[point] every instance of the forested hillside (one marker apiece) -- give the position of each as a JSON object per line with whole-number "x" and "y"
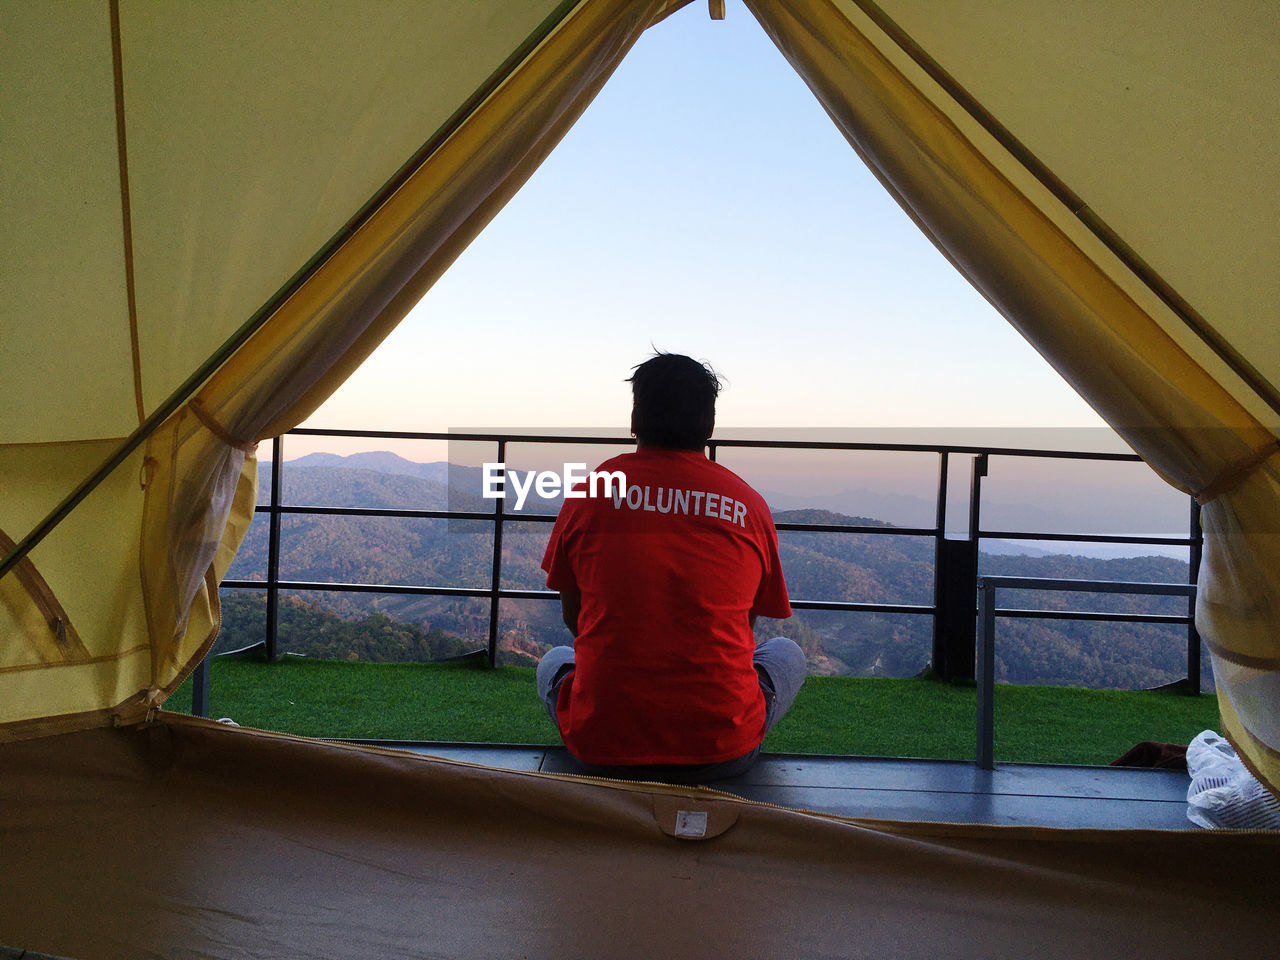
{"x": 877, "y": 568}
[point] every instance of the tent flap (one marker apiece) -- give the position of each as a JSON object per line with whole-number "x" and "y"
{"x": 232, "y": 193}
{"x": 1080, "y": 305}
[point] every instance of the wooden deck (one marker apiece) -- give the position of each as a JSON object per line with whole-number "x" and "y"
{"x": 1014, "y": 794}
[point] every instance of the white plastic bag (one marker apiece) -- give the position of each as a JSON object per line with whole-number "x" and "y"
{"x": 1223, "y": 793}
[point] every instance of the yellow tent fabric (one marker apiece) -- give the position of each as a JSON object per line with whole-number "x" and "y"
{"x": 986, "y": 184}
{"x": 135, "y": 566}
{"x": 178, "y": 174}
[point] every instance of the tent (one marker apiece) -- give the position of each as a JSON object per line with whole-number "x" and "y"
{"x": 214, "y": 213}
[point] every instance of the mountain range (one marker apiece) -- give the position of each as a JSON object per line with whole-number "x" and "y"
{"x": 874, "y": 568}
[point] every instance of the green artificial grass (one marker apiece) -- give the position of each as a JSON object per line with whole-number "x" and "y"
{"x": 934, "y": 719}
{"x": 832, "y": 715}
{"x": 377, "y": 701}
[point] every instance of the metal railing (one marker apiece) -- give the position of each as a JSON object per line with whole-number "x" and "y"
{"x": 988, "y": 612}
{"x": 955, "y": 561}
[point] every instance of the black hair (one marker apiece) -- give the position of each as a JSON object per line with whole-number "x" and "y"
{"x": 674, "y": 401}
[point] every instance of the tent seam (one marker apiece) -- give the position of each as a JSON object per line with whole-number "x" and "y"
{"x": 126, "y": 215}
{"x": 78, "y": 662}
{"x": 59, "y": 443}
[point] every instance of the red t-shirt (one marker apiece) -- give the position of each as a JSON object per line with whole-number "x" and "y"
{"x": 669, "y": 574}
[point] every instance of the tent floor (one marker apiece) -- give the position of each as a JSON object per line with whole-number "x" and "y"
{"x": 191, "y": 839}
{"x": 887, "y": 788}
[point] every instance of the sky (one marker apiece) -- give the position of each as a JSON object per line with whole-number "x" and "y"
{"x": 704, "y": 204}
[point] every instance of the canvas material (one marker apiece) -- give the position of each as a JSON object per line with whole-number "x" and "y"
{"x": 191, "y": 838}
{"x": 1087, "y": 313}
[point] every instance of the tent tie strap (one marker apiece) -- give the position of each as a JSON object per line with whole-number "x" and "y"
{"x": 1236, "y": 474}
{"x": 147, "y": 472}
{"x": 212, "y": 425}
{"x": 37, "y": 589}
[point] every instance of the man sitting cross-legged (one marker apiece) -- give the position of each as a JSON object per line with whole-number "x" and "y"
{"x": 661, "y": 584}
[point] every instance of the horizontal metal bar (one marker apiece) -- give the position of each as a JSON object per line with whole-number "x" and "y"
{"x": 378, "y": 512}
{"x": 516, "y": 594}
{"x": 398, "y": 588}
{"x": 929, "y": 448}
{"x": 1085, "y": 537}
{"x": 469, "y": 437}
{"x": 1088, "y": 586}
{"x": 509, "y": 593}
{"x": 412, "y": 514}
{"x": 855, "y": 528}
{"x": 551, "y": 518}
{"x": 1019, "y": 583}
{"x": 394, "y": 588}
{"x": 766, "y": 444}
{"x": 862, "y": 607}
{"x": 1182, "y": 619}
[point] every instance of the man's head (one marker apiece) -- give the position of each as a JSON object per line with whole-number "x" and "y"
{"x": 673, "y": 402}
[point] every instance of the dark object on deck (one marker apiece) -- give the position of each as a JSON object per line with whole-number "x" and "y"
{"x": 1149, "y": 753}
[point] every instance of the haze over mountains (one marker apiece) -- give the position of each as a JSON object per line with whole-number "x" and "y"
{"x": 383, "y": 461}
{"x": 1082, "y": 511}
{"x": 888, "y": 568}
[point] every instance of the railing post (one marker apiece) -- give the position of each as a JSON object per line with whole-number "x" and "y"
{"x": 200, "y": 688}
{"x": 955, "y": 582}
{"x": 975, "y": 503}
{"x": 954, "y": 585}
{"x": 1193, "y": 577}
{"x": 975, "y": 510}
{"x": 495, "y": 583}
{"x": 985, "y": 727}
{"x": 940, "y": 657}
{"x": 273, "y": 551}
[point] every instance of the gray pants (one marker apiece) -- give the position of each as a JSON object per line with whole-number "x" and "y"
{"x": 780, "y": 665}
